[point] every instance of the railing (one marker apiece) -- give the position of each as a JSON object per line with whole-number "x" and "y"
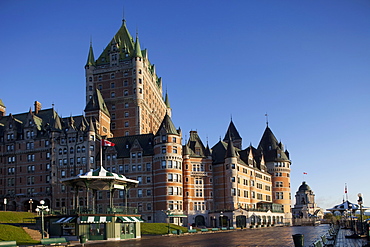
{"x": 85, "y": 210}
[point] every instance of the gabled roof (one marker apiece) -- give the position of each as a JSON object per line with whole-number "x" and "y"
{"x": 97, "y": 103}
{"x": 124, "y": 144}
{"x": 218, "y": 152}
{"x": 195, "y": 146}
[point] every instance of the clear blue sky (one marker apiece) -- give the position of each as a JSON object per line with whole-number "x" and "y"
{"x": 306, "y": 63}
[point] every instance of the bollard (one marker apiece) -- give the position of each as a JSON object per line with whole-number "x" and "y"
{"x": 298, "y": 240}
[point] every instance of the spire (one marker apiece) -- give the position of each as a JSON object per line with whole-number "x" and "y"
{"x": 167, "y": 101}
{"x": 90, "y": 57}
{"x": 137, "y": 47}
{"x": 233, "y": 135}
{"x": 230, "y": 152}
{"x": 91, "y": 125}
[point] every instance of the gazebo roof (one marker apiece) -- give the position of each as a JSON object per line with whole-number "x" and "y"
{"x": 346, "y": 205}
{"x": 100, "y": 179}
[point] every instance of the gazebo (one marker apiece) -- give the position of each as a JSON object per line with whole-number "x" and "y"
{"x": 100, "y": 179}
{"x": 113, "y": 223}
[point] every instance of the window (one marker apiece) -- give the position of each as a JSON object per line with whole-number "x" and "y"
{"x": 279, "y": 184}
{"x": 126, "y": 105}
{"x": 148, "y": 192}
{"x": 170, "y": 177}
{"x": 279, "y": 195}
{"x": 126, "y": 114}
{"x": 148, "y": 167}
{"x": 174, "y": 150}
{"x": 125, "y": 93}
{"x": 170, "y": 190}
{"x": 113, "y": 94}
{"x": 148, "y": 180}
{"x": 126, "y": 124}
{"x": 163, "y": 164}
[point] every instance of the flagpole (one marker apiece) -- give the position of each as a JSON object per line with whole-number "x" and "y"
{"x": 101, "y": 152}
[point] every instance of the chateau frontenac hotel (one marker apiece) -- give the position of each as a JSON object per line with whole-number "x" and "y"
{"x": 181, "y": 181}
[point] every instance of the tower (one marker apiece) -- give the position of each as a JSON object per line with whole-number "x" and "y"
{"x": 167, "y": 172}
{"x": 278, "y": 165}
{"x": 129, "y": 85}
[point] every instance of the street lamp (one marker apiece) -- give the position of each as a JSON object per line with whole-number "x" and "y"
{"x": 5, "y": 202}
{"x": 360, "y": 203}
{"x": 30, "y": 202}
{"x": 41, "y": 209}
{"x": 168, "y": 212}
{"x": 221, "y": 219}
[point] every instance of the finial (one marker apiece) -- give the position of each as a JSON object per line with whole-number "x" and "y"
{"x": 123, "y": 14}
{"x": 267, "y": 119}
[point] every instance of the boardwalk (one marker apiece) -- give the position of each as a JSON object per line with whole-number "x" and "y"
{"x": 342, "y": 241}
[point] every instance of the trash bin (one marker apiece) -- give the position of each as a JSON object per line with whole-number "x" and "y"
{"x": 298, "y": 240}
{"x": 82, "y": 239}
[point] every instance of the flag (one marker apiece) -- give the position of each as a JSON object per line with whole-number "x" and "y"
{"x": 106, "y": 143}
{"x": 305, "y": 173}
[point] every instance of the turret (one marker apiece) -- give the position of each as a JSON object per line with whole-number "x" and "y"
{"x": 89, "y": 69}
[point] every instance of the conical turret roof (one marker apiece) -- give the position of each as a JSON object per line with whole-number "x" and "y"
{"x": 168, "y": 126}
{"x": 97, "y": 103}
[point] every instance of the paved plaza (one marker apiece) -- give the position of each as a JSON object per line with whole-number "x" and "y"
{"x": 263, "y": 237}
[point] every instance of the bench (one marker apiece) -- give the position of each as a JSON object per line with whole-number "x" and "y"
{"x": 318, "y": 243}
{"x": 8, "y": 243}
{"x": 215, "y": 229}
{"x": 192, "y": 231}
{"x": 204, "y": 230}
{"x": 327, "y": 242}
{"x": 54, "y": 241}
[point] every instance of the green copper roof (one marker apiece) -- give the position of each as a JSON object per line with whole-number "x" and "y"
{"x": 90, "y": 58}
{"x": 123, "y": 42}
{"x": 137, "y": 48}
{"x": 97, "y": 103}
{"x": 168, "y": 125}
{"x": 167, "y": 101}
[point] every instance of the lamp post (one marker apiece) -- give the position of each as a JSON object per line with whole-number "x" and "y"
{"x": 360, "y": 203}
{"x": 30, "y": 202}
{"x": 5, "y": 202}
{"x": 41, "y": 209}
{"x": 168, "y": 212}
{"x": 221, "y": 219}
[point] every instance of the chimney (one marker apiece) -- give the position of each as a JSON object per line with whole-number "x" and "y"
{"x": 37, "y": 107}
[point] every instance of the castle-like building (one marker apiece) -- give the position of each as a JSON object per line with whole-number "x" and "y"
{"x": 183, "y": 181}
